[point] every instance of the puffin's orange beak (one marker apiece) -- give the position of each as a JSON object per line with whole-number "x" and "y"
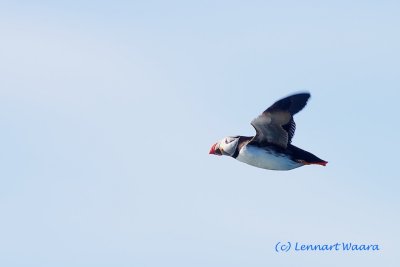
{"x": 216, "y": 150}
{"x": 212, "y": 150}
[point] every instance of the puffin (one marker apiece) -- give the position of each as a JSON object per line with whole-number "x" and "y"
{"x": 271, "y": 147}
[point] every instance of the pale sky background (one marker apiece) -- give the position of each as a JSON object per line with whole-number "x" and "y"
{"x": 108, "y": 110}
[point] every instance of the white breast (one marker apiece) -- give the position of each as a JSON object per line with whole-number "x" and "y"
{"x": 266, "y": 159}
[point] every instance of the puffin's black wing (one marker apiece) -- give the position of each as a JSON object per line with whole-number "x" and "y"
{"x": 276, "y": 125}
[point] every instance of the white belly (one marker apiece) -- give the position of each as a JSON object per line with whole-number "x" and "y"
{"x": 265, "y": 159}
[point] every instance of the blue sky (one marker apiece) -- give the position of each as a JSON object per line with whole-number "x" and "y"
{"x": 108, "y": 111}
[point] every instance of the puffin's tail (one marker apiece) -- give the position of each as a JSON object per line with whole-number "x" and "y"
{"x": 305, "y": 157}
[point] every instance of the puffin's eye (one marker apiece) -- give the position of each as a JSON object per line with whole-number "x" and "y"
{"x": 228, "y": 140}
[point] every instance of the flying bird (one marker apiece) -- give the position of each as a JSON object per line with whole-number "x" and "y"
{"x": 271, "y": 147}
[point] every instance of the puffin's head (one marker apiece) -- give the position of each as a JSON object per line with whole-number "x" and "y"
{"x": 226, "y": 146}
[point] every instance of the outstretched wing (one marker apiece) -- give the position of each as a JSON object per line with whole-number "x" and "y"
{"x": 276, "y": 125}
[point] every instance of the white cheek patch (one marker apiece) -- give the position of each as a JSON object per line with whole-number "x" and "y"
{"x": 229, "y": 148}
